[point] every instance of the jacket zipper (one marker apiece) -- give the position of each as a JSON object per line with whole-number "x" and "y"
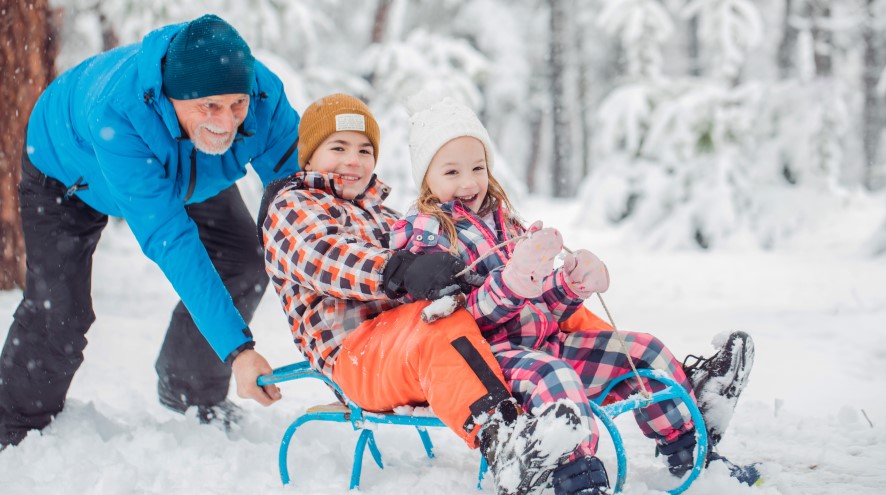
{"x": 286, "y": 156}
{"x": 192, "y": 182}
{"x": 487, "y": 232}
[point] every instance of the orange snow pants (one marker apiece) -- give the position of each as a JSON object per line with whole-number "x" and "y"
{"x": 396, "y": 359}
{"x": 583, "y": 319}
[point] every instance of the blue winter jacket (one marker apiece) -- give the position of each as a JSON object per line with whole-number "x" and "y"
{"x": 105, "y": 130}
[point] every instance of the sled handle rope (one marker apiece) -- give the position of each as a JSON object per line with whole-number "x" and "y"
{"x": 487, "y": 253}
{"x": 621, "y": 340}
{"x": 624, "y": 347}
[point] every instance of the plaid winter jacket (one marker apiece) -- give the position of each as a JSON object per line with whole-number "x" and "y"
{"x": 506, "y": 319}
{"x": 325, "y": 256}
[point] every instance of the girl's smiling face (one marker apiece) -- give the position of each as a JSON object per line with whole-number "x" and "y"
{"x": 348, "y": 154}
{"x": 458, "y": 171}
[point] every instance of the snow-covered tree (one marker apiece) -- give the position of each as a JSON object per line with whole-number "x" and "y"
{"x": 676, "y": 152}
{"x": 728, "y": 30}
{"x": 676, "y": 109}
{"x": 680, "y": 170}
{"x": 642, "y": 27}
{"x": 874, "y": 90}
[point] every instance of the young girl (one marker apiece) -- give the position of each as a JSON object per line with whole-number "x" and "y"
{"x": 325, "y": 234}
{"x": 548, "y": 345}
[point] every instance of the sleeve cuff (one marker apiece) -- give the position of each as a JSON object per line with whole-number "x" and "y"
{"x": 250, "y": 344}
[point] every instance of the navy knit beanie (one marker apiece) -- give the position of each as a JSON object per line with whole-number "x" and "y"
{"x": 208, "y": 57}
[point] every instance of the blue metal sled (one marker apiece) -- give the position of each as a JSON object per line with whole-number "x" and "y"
{"x": 362, "y": 420}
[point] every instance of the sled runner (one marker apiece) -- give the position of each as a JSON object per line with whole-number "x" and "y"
{"x": 363, "y": 422}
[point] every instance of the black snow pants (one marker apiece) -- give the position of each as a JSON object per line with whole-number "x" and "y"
{"x": 44, "y": 347}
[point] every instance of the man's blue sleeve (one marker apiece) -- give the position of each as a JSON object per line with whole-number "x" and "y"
{"x": 165, "y": 232}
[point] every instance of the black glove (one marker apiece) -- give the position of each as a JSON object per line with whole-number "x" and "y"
{"x": 426, "y": 276}
{"x": 394, "y": 273}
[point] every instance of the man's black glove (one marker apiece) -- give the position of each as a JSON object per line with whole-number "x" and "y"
{"x": 426, "y": 276}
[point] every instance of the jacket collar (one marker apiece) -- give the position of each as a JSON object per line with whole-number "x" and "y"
{"x": 331, "y": 183}
{"x": 459, "y": 211}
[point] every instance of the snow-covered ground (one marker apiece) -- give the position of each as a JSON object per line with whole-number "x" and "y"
{"x": 818, "y": 317}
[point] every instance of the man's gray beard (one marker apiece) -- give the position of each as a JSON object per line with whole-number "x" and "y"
{"x": 198, "y": 143}
{"x": 200, "y": 147}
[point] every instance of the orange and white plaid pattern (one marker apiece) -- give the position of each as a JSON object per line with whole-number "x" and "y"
{"x": 324, "y": 258}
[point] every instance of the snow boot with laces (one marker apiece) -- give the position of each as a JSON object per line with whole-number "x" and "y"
{"x": 719, "y": 380}
{"x": 583, "y": 476}
{"x": 523, "y": 450}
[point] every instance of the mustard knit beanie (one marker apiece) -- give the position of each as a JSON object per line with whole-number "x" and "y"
{"x": 331, "y": 114}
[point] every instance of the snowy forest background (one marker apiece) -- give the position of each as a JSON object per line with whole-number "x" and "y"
{"x": 683, "y": 123}
{"x": 724, "y": 157}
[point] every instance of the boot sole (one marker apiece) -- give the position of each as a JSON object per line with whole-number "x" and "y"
{"x": 722, "y": 392}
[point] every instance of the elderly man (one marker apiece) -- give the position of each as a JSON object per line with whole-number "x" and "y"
{"x": 157, "y": 133}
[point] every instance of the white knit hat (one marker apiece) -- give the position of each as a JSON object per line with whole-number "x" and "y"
{"x": 434, "y": 126}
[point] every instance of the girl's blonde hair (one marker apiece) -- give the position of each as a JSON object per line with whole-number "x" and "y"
{"x": 429, "y": 204}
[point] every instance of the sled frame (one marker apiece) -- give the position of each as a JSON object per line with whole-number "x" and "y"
{"x": 364, "y": 421}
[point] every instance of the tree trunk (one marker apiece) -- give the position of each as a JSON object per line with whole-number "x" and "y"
{"x": 379, "y": 27}
{"x": 27, "y": 56}
{"x": 878, "y": 243}
{"x": 584, "y": 103}
{"x": 787, "y": 45}
{"x": 380, "y": 23}
{"x": 822, "y": 37}
{"x": 693, "y": 47}
{"x": 872, "y": 113}
{"x": 561, "y": 185}
{"x": 535, "y": 139}
{"x": 110, "y": 40}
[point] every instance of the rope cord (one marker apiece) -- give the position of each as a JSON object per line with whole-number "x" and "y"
{"x": 487, "y": 253}
{"x": 624, "y": 346}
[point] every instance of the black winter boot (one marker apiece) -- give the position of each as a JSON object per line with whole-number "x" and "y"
{"x": 681, "y": 457}
{"x": 225, "y": 415}
{"x": 584, "y": 476}
{"x": 522, "y": 451}
{"x": 680, "y": 453}
{"x": 719, "y": 380}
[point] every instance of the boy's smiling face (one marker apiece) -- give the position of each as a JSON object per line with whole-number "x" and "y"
{"x": 348, "y": 154}
{"x": 458, "y": 171}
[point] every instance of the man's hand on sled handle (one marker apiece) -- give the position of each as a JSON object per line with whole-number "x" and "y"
{"x": 247, "y": 367}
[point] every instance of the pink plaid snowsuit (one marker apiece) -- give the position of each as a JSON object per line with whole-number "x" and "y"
{"x": 542, "y": 361}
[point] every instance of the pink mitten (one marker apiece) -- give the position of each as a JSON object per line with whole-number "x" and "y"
{"x": 531, "y": 262}
{"x": 585, "y": 274}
